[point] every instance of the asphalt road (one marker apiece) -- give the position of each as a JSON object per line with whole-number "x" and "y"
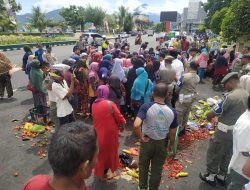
{"x": 18, "y": 156}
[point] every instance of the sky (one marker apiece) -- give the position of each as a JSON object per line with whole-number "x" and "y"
{"x": 154, "y": 6}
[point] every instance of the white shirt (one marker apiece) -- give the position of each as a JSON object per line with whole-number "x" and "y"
{"x": 162, "y": 65}
{"x": 64, "y": 108}
{"x": 245, "y": 82}
{"x": 241, "y": 143}
{"x": 52, "y": 96}
{"x": 178, "y": 67}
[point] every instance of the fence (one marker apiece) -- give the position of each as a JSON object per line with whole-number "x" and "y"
{"x": 12, "y": 47}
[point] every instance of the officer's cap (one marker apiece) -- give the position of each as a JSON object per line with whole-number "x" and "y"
{"x": 232, "y": 75}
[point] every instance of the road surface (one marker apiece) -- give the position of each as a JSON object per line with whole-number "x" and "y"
{"x": 19, "y": 156}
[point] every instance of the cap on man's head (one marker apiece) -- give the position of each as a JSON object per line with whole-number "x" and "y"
{"x": 229, "y": 76}
{"x": 246, "y": 56}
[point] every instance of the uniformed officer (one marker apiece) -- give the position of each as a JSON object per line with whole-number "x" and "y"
{"x": 228, "y": 110}
{"x": 245, "y": 62}
{"x": 104, "y": 45}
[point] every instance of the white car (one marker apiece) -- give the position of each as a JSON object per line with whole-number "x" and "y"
{"x": 123, "y": 35}
{"x": 90, "y": 37}
{"x": 160, "y": 35}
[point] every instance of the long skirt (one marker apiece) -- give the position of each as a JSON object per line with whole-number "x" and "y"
{"x": 39, "y": 99}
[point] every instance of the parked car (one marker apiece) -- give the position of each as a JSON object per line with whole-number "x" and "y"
{"x": 160, "y": 35}
{"x": 90, "y": 37}
{"x": 133, "y": 33}
{"x": 150, "y": 32}
{"x": 123, "y": 35}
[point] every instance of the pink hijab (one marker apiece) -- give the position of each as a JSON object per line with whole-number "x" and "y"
{"x": 102, "y": 93}
{"x": 93, "y": 69}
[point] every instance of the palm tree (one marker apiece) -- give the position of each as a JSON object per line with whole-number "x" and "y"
{"x": 38, "y": 19}
{"x": 121, "y": 16}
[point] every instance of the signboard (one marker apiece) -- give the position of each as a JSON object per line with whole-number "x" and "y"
{"x": 170, "y": 16}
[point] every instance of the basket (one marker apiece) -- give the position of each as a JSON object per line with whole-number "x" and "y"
{"x": 40, "y": 115}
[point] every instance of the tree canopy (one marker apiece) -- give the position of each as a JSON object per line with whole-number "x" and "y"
{"x": 74, "y": 16}
{"x": 237, "y": 20}
{"x": 6, "y": 22}
{"x": 38, "y": 19}
{"x": 128, "y": 22}
{"x": 95, "y": 15}
{"x": 217, "y": 19}
{"x": 212, "y": 6}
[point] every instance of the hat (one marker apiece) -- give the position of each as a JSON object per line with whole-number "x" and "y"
{"x": 246, "y": 56}
{"x": 169, "y": 58}
{"x": 83, "y": 54}
{"x": 232, "y": 75}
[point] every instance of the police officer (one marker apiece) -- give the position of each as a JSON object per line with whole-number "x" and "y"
{"x": 228, "y": 110}
{"x": 245, "y": 62}
{"x": 104, "y": 45}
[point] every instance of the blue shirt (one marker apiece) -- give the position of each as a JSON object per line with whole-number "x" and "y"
{"x": 39, "y": 54}
{"x": 157, "y": 119}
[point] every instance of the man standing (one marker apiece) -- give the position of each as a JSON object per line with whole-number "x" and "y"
{"x": 49, "y": 58}
{"x": 245, "y": 62}
{"x": 229, "y": 109}
{"x": 161, "y": 58}
{"x": 178, "y": 67}
{"x": 153, "y": 123}
{"x": 5, "y": 82}
{"x": 39, "y": 53}
{"x": 184, "y": 44}
{"x": 241, "y": 149}
{"x": 187, "y": 94}
{"x": 104, "y": 45}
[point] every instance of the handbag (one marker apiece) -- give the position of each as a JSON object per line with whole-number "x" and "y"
{"x": 30, "y": 87}
{"x": 113, "y": 114}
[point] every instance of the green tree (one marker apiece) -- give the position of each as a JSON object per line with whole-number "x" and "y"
{"x": 216, "y": 21}
{"x": 111, "y": 21}
{"x": 74, "y": 16}
{"x": 237, "y": 20}
{"x": 121, "y": 17}
{"x": 38, "y": 19}
{"x": 95, "y": 15}
{"x": 128, "y": 22}
{"x": 7, "y": 22}
{"x": 159, "y": 27}
{"x": 212, "y": 6}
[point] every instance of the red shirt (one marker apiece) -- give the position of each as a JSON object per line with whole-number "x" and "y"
{"x": 39, "y": 182}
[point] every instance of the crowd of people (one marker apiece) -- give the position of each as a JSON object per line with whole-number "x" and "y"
{"x": 155, "y": 87}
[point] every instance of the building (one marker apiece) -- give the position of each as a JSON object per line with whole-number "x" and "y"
{"x": 176, "y": 25}
{"x": 193, "y": 16}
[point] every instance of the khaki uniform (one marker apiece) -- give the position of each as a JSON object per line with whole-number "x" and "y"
{"x": 187, "y": 93}
{"x": 220, "y": 149}
{"x": 245, "y": 69}
{"x": 167, "y": 77}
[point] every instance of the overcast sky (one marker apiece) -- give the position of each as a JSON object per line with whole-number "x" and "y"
{"x": 154, "y": 6}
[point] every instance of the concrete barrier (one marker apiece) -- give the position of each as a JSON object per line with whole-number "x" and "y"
{"x": 12, "y": 47}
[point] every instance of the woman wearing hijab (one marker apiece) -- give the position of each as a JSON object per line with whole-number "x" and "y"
{"x": 36, "y": 79}
{"x": 93, "y": 80}
{"x": 202, "y": 61}
{"x": 97, "y": 57}
{"x": 26, "y": 55}
{"x": 107, "y": 57}
{"x": 107, "y": 133}
{"x": 214, "y": 48}
{"x": 220, "y": 68}
{"x": 116, "y": 90}
{"x": 104, "y": 71}
{"x": 118, "y": 70}
{"x": 141, "y": 91}
{"x": 81, "y": 73}
{"x": 137, "y": 63}
{"x": 152, "y": 70}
